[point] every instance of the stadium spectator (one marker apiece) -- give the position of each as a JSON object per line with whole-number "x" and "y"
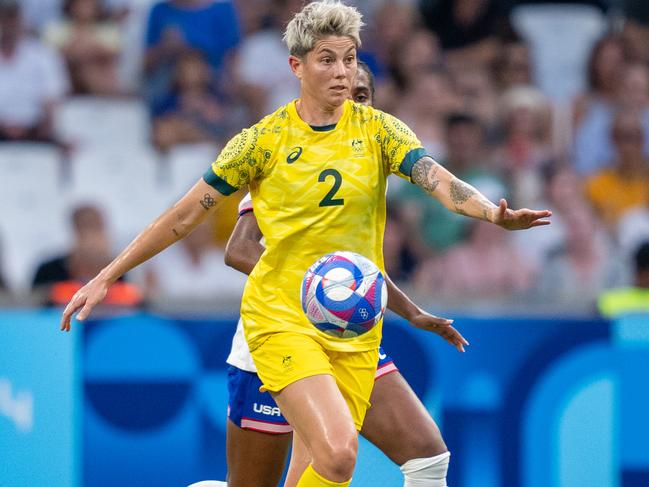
{"x": 194, "y": 111}
{"x": 581, "y": 267}
{"x": 527, "y": 144}
{"x": 89, "y": 230}
{"x": 398, "y": 257}
{"x": 562, "y": 190}
{"x": 393, "y": 25}
{"x": 605, "y": 64}
{"x": 633, "y": 299}
{"x": 427, "y": 220}
{"x": 600, "y": 4}
{"x": 90, "y": 44}
{"x": 513, "y": 66}
{"x": 261, "y": 66}
{"x": 254, "y": 15}
{"x": 476, "y": 91}
{"x": 425, "y": 106}
{"x": 57, "y": 279}
{"x": 593, "y": 147}
{"x": 636, "y": 29}
{"x": 632, "y": 230}
{"x": 194, "y": 270}
{"x": 625, "y": 184}
{"x": 38, "y": 13}
{"x": 83, "y": 264}
{"x": 485, "y": 267}
{"x": 32, "y": 80}
{"x": 419, "y": 54}
{"x": 467, "y": 29}
{"x": 174, "y": 26}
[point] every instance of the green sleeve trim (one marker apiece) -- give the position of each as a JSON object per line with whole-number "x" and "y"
{"x": 217, "y": 183}
{"x": 409, "y": 161}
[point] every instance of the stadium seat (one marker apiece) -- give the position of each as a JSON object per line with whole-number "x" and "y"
{"x": 186, "y": 164}
{"x": 561, "y": 37}
{"x": 123, "y": 182}
{"x": 102, "y": 122}
{"x": 32, "y": 226}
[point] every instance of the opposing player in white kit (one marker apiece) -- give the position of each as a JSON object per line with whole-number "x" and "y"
{"x": 258, "y": 436}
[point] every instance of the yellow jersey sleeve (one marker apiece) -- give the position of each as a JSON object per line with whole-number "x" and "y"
{"x": 399, "y": 145}
{"x": 240, "y": 162}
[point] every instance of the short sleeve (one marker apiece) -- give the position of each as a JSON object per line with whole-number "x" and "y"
{"x": 399, "y": 145}
{"x": 239, "y": 163}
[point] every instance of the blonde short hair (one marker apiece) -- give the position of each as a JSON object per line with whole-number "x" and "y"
{"x": 320, "y": 19}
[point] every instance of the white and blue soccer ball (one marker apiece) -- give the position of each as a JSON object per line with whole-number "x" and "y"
{"x": 344, "y": 294}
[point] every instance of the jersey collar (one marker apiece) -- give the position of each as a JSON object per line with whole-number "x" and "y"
{"x": 292, "y": 111}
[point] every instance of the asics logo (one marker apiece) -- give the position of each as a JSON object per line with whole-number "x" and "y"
{"x": 295, "y": 154}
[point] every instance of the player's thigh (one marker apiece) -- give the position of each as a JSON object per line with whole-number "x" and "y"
{"x": 257, "y": 434}
{"x": 399, "y": 424}
{"x": 318, "y": 412}
{"x": 312, "y": 388}
{"x": 255, "y": 458}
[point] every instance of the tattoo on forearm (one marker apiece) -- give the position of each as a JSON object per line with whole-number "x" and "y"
{"x": 207, "y": 202}
{"x": 424, "y": 174}
{"x": 175, "y": 232}
{"x": 487, "y": 207}
{"x": 461, "y": 192}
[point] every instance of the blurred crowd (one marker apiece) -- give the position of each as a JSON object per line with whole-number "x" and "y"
{"x": 543, "y": 103}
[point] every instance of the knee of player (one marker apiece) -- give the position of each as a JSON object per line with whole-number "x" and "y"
{"x": 337, "y": 458}
{"x": 424, "y": 446}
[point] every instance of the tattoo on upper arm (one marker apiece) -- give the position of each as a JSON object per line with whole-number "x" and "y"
{"x": 461, "y": 192}
{"x": 424, "y": 174}
{"x": 207, "y": 202}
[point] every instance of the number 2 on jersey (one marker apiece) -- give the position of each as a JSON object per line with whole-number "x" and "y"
{"x": 329, "y": 199}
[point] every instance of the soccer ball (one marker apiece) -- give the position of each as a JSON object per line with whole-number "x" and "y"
{"x": 344, "y": 294}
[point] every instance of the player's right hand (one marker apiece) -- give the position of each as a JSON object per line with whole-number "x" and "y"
{"x": 85, "y": 299}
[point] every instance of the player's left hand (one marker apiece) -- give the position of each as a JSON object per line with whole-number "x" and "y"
{"x": 441, "y": 326}
{"x": 519, "y": 219}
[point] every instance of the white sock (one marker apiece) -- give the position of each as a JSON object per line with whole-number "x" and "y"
{"x": 426, "y": 472}
{"x": 209, "y": 483}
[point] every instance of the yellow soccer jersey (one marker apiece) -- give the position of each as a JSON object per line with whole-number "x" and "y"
{"x": 315, "y": 190}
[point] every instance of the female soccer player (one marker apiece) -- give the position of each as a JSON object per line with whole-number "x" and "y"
{"x": 397, "y": 423}
{"x": 317, "y": 171}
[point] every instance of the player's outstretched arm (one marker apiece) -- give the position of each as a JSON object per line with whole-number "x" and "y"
{"x": 244, "y": 250}
{"x": 404, "y": 307}
{"x": 173, "y": 225}
{"x": 462, "y": 198}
